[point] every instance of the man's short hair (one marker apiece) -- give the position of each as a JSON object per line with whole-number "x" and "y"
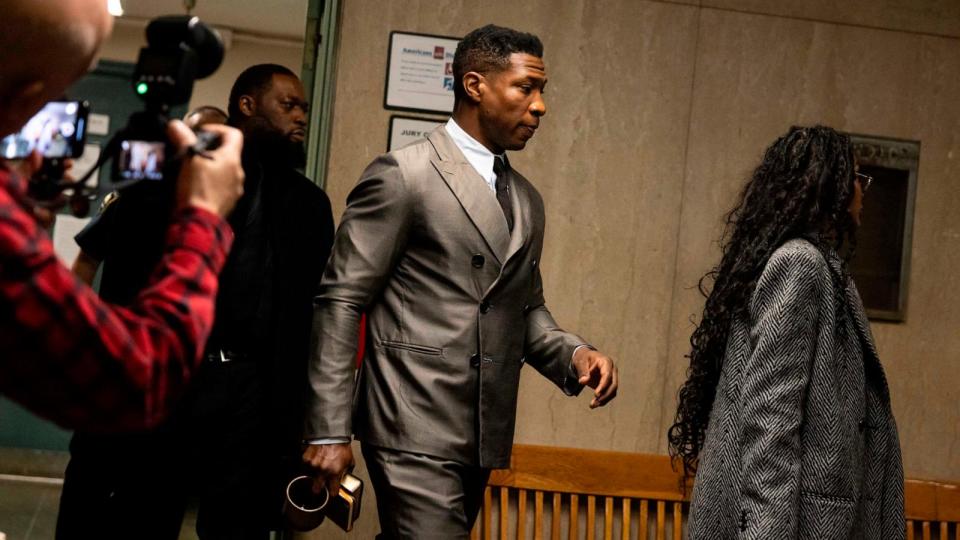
{"x": 208, "y": 110}
{"x": 488, "y": 49}
{"x": 254, "y": 81}
{"x": 208, "y": 114}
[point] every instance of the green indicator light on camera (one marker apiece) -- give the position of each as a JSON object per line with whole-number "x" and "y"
{"x": 142, "y": 88}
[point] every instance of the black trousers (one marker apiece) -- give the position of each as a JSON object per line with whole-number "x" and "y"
{"x": 213, "y": 450}
{"x": 424, "y": 497}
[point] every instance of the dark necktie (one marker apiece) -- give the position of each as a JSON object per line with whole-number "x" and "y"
{"x": 503, "y": 190}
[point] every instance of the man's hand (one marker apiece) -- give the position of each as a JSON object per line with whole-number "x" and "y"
{"x": 328, "y": 462}
{"x": 213, "y": 182}
{"x": 597, "y": 371}
{"x": 26, "y": 168}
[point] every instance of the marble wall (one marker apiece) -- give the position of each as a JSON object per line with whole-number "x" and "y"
{"x": 756, "y": 75}
{"x": 657, "y": 112}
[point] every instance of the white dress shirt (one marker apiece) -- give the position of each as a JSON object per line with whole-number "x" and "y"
{"x": 477, "y": 154}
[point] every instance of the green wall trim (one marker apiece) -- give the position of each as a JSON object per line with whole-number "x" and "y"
{"x": 318, "y": 74}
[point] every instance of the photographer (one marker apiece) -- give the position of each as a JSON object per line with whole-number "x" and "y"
{"x": 67, "y": 355}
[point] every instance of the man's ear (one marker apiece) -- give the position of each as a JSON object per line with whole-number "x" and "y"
{"x": 474, "y": 85}
{"x": 247, "y": 105}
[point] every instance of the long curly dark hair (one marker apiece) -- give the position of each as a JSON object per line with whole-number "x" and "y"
{"x": 802, "y": 188}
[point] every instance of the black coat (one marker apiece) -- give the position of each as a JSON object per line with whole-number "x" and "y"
{"x": 302, "y": 236}
{"x": 297, "y": 218}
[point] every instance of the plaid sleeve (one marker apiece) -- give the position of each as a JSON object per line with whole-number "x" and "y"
{"x": 86, "y": 364}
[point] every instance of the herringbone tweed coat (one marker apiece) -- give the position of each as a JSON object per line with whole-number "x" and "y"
{"x": 801, "y": 441}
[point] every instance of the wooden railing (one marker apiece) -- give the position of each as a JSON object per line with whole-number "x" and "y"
{"x": 933, "y": 510}
{"x": 567, "y": 493}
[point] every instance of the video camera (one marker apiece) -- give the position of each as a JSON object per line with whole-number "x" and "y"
{"x": 180, "y": 49}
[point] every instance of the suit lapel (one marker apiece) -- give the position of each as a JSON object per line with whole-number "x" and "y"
{"x": 472, "y": 192}
{"x": 854, "y": 304}
{"x": 861, "y": 323}
{"x": 520, "y": 200}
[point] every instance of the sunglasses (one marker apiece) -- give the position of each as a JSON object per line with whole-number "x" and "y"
{"x": 865, "y": 181}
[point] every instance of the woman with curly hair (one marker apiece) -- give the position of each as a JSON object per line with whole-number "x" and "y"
{"x": 785, "y": 415}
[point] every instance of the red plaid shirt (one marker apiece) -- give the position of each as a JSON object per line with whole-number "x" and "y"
{"x": 85, "y": 364}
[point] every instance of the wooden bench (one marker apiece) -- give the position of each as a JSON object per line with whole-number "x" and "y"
{"x": 573, "y": 494}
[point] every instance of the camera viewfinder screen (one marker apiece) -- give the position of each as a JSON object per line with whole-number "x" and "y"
{"x": 51, "y": 132}
{"x": 141, "y": 160}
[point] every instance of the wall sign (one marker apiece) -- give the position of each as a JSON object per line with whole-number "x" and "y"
{"x": 98, "y": 124}
{"x": 881, "y": 267}
{"x": 420, "y": 73}
{"x": 407, "y": 129}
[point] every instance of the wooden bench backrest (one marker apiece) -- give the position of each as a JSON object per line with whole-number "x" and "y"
{"x": 564, "y": 493}
{"x": 932, "y": 509}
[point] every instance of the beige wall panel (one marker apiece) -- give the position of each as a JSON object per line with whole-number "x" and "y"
{"x": 610, "y": 167}
{"x": 938, "y": 17}
{"x": 608, "y": 160}
{"x": 127, "y": 39}
{"x": 124, "y": 43}
{"x": 756, "y": 76}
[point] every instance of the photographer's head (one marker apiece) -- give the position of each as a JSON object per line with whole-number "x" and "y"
{"x": 267, "y": 103}
{"x": 46, "y": 47}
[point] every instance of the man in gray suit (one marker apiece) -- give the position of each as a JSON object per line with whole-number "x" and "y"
{"x": 440, "y": 245}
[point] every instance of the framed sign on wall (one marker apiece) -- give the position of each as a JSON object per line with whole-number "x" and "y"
{"x": 881, "y": 266}
{"x": 420, "y": 73}
{"x": 407, "y": 129}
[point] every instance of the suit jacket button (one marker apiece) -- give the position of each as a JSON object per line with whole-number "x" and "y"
{"x": 477, "y": 261}
{"x": 475, "y": 360}
{"x": 485, "y": 307}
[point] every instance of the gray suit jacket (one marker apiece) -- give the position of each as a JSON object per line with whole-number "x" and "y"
{"x": 801, "y": 441}
{"x": 455, "y": 308}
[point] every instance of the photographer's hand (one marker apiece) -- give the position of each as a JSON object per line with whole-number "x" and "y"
{"x": 214, "y": 181}
{"x": 28, "y": 166}
{"x": 45, "y": 213}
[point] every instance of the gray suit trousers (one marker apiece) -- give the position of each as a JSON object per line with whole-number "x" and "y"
{"x": 424, "y": 497}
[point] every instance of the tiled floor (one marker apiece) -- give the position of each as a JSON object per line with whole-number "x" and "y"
{"x": 30, "y": 485}
{"x": 30, "y": 488}
{"x": 28, "y": 509}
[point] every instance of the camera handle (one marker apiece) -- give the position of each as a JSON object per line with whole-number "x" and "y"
{"x": 45, "y": 184}
{"x": 109, "y": 150}
{"x": 49, "y": 180}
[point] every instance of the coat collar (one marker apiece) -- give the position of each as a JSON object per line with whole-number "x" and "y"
{"x": 861, "y": 323}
